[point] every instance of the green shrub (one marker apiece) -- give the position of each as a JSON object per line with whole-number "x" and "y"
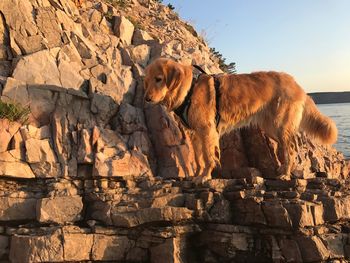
{"x": 14, "y": 111}
{"x": 109, "y": 15}
{"x": 136, "y": 23}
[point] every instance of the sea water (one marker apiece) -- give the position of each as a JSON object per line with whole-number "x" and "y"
{"x": 340, "y": 113}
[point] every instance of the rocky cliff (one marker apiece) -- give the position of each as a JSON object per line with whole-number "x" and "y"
{"x": 95, "y": 176}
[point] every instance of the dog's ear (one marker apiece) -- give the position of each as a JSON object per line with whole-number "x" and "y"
{"x": 174, "y": 76}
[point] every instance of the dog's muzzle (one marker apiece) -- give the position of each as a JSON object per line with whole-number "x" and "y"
{"x": 146, "y": 97}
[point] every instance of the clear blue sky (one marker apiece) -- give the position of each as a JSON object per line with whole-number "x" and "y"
{"x": 310, "y": 39}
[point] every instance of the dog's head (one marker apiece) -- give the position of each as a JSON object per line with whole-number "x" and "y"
{"x": 163, "y": 80}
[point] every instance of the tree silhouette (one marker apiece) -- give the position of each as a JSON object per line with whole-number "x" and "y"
{"x": 227, "y": 68}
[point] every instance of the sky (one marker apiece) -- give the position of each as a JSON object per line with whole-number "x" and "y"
{"x": 309, "y": 39}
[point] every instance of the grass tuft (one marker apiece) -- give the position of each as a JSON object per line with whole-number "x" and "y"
{"x": 14, "y": 112}
{"x": 122, "y": 4}
{"x": 191, "y": 29}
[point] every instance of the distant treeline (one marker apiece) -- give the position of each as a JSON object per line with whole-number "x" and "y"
{"x": 330, "y": 97}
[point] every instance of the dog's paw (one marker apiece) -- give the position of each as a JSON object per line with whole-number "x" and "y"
{"x": 200, "y": 180}
{"x": 284, "y": 177}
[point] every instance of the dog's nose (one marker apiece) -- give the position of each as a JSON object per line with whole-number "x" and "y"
{"x": 148, "y": 100}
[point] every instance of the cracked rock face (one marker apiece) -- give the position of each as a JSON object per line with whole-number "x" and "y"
{"x": 97, "y": 175}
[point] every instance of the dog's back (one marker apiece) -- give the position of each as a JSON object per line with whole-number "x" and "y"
{"x": 274, "y": 102}
{"x": 260, "y": 98}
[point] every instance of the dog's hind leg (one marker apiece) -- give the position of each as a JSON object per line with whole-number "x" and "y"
{"x": 287, "y": 123}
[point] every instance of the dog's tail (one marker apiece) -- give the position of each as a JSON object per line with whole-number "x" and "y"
{"x": 318, "y": 125}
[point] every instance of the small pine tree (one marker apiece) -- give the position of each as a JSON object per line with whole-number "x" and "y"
{"x": 171, "y": 7}
{"x": 227, "y": 68}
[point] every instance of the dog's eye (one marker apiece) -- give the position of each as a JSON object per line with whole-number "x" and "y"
{"x": 158, "y": 79}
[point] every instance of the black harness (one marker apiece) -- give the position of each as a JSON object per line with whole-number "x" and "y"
{"x": 182, "y": 110}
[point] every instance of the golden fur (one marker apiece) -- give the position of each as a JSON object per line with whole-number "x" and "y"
{"x": 271, "y": 100}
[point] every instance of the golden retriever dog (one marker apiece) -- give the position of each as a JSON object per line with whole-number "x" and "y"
{"x": 272, "y": 101}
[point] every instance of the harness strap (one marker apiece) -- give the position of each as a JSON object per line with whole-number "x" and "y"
{"x": 217, "y": 100}
{"x": 182, "y": 110}
{"x": 200, "y": 69}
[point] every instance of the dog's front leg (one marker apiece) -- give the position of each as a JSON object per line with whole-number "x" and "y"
{"x": 209, "y": 140}
{"x": 198, "y": 153}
